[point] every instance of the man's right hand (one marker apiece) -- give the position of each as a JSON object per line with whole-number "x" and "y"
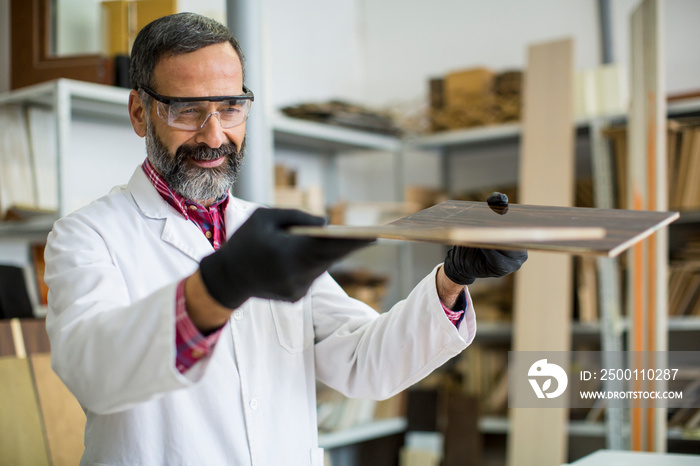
{"x": 262, "y": 260}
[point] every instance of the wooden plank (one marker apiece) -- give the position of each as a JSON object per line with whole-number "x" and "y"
{"x": 464, "y": 443}
{"x": 36, "y": 340}
{"x": 544, "y": 286}
{"x": 647, "y": 183}
{"x": 496, "y": 237}
{"x": 64, "y": 419}
{"x": 21, "y": 435}
{"x": 605, "y": 232}
{"x": 7, "y": 345}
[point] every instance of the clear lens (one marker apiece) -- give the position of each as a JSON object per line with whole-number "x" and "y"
{"x": 194, "y": 115}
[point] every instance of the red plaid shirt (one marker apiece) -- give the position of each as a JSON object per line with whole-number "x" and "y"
{"x": 190, "y": 344}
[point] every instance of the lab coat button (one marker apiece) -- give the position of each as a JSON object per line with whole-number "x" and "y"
{"x": 238, "y": 314}
{"x": 254, "y": 403}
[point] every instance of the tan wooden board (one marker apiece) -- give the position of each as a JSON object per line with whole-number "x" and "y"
{"x": 64, "y": 419}
{"x": 21, "y": 435}
{"x": 573, "y": 230}
{"x": 543, "y": 292}
{"x": 647, "y": 275}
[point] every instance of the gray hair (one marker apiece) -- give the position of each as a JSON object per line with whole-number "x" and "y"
{"x": 174, "y": 35}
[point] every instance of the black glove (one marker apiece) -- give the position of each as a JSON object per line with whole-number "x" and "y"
{"x": 465, "y": 264}
{"x": 262, "y": 260}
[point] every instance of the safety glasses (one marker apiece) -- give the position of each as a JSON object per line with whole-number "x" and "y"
{"x": 192, "y": 113}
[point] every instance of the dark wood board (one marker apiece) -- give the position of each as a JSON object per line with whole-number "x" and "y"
{"x": 521, "y": 225}
{"x": 7, "y": 341}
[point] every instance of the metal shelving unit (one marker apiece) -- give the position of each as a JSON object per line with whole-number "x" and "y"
{"x": 611, "y": 327}
{"x": 70, "y": 100}
{"x": 73, "y": 99}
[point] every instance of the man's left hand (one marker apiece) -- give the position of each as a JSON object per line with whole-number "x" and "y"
{"x": 465, "y": 264}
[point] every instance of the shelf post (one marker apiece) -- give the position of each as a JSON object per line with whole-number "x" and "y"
{"x": 255, "y": 182}
{"x": 62, "y": 113}
{"x": 611, "y": 326}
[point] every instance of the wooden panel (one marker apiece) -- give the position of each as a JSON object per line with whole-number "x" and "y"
{"x": 463, "y": 440}
{"x": 7, "y": 344}
{"x": 601, "y": 231}
{"x": 64, "y": 419}
{"x": 21, "y": 436}
{"x": 543, "y": 287}
{"x": 36, "y": 340}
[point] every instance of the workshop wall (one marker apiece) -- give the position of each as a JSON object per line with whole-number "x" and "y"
{"x": 384, "y": 51}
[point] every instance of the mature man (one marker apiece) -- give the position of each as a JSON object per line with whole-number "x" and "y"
{"x": 190, "y": 326}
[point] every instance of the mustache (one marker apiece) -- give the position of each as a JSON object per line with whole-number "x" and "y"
{"x": 204, "y": 153}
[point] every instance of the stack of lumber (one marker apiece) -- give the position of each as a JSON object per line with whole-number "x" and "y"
{"x": 422, "y": 197}
{"x": 341, "y": 113}
{"x": 684, "y": 289}
{"x": 683, "y": 146}
{"x": 289, "y": 195}
{"x": 474, "y": 97}
{"x": 684, "y": 280}
{"x": 684, "y": 164}
{"x": 363, "y": 285}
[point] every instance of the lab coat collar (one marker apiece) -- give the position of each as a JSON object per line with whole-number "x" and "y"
{"x": 178, "y": 231}
{"x": 146, "y": 196}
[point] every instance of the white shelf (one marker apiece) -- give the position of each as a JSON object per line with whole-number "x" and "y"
{"x": 684, "y": 324}
{"x": 512, "y": 130}
{"x": 362, "y": 433}
{"x": 684, "y": 106}
{"x": 493, "y": 425}
{"x": 504, "y": 329}
{"x": 487, "y": 425}
{"x": 86, "y": 98}
{"x": 506, "y": 131}
{"x": 467, "y": 136}
{"x": 39, "y": 224}
{"x": 500, "y": 425}
{"x": 308, "y": 134}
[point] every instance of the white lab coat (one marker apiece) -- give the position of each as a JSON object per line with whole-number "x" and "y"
{"x": 112, "y": 269}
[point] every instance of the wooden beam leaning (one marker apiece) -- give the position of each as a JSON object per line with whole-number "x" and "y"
{"x": 22, "y": 439}
{"x": 544, "y": 286}
{"x": 63, "y": 418}
{"x": 647, "y": 293}
{"x": 41, "y": 422}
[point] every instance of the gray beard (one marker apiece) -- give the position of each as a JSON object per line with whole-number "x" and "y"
{"x": 187, "y": 179}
